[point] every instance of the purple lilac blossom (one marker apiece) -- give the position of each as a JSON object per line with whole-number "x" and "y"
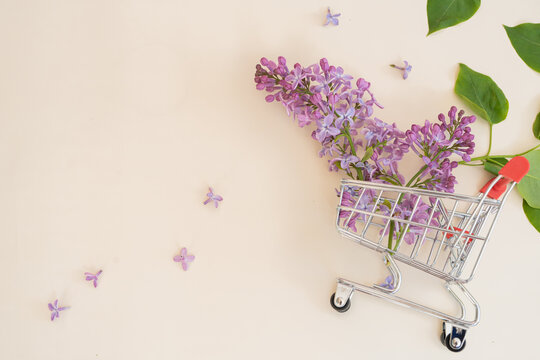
{"x": 93, "y": 277}
{"x": 388, "y": 283}
{"x": 55, "y": 310}
{"x": 332, "y": 18}
{"x": 184, "y": 258}
{"x": 435, "y": 143}
{"x": 406, "y": 69}
{"x": 359, "y": 143}
{"x": 213, "y": 197}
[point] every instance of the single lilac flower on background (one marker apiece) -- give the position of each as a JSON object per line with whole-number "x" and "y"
{"x": 213, "y": 197}
{"x": 184, "y": 258}
{"x": 93, "y": 277}
{"x": 406, "y": 69}
{"x": 55, "y": 310}
{"x": 332, "y": 18}
{"x": 388, "y": 283}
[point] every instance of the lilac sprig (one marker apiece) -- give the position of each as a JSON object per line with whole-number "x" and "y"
{"x": 325, "y": 95}
{"x": 360, "y": 144}
{"x": 435, "y": 143}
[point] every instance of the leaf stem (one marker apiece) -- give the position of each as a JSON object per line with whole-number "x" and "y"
{"x": 485, "y": 157}
{"x": 490, "y": 138}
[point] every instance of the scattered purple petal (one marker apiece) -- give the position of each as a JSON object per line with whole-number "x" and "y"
{"x": 388, "y": 283}
{"x": 184, "y": 258}
{"x": 332, "y": 18}
{"x": 405, "y": 69}
{"x": 213, "y": 197}
{"x": 93, "y": 277}
{"x": 55, "y": 310}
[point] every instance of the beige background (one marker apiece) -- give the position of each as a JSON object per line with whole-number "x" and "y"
{"x": 115, "y": 116}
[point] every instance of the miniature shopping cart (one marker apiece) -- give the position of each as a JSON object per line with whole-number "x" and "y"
{"x": 439, "y": 233}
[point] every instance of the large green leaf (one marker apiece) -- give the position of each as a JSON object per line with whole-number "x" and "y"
{"x": 536, "y": 127}
{"x": 445, "y": 13}
{"x": 529, "y": 187}
{"x": 525, "y": 39}
{"x": 493, "y": 165}
{"x": 482, "y": 95}
{"x": 532, "y": 214}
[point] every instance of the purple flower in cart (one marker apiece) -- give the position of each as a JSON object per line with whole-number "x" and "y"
{"x": 350, "y": 199}
{"x": 184, "y": 258}
{"x": 388, "y": 283}
{"x": 326, "y": 128}
{"x": 93, "y": 277}
{"x": 332, "y": 18}
{"x": 55, "y": 310}
{"x": 406, "y": 69}
{"x": 213, "y": 197}
{"x": 346, "y": 161}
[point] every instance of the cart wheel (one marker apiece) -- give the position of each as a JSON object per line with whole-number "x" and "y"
{"x": 456, "y": 345}
{"x": 341, "y": 309}
{"x": 443, "y": 339}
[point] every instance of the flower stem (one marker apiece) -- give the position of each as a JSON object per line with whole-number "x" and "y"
{"x": 422, "y": 169}
{"x": 390, "y": 234}
{"x": 351, "y": 143}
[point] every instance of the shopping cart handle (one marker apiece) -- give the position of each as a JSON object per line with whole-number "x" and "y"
{"x": 514, "y": 170}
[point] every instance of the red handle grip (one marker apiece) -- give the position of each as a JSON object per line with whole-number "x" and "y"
{"x": 514, "y": 170}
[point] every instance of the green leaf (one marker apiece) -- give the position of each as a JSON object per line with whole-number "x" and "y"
{"x": 493, "y": 165}
{"x": 532, "y": 214}
{"x": 525, "y": 39}
{"x": 529, "y": 187}
{"x": 482, "y": 95}
{"x": 368, "y": 154}
{"x": 445, "y": 13}
{"x": 536, "y": 127}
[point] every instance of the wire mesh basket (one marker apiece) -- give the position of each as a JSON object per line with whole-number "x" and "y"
{"x": 442, "y": 234}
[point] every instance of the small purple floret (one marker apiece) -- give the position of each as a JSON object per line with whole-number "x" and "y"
{"x": 213, "y": 197}
{"x": 184, "y": 258}
{"x": 406, "y": 69}
{"x": 332, "y": 18}
{"x": 55, "y": 310}
{"x": 93, "y": 277}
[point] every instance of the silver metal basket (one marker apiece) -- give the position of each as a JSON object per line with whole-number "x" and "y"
{"x": 439, "y": 233}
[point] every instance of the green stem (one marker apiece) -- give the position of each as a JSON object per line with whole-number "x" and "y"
{"x": 351, "y": 143}
{"x": 399, "y": 238}
{"x": 490, "y": 137}
{"x": 416, "y": 175}
{"x": 485, "y": 157}
{"x": 390, "y": 234}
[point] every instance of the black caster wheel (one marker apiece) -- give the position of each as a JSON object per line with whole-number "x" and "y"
{"x": 341, "y": 309}
{"x": 456, "y": 345}
{"x": 443, "y": 339}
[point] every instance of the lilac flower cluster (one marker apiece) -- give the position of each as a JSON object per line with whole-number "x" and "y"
{"x": 365, "y": 148}
{"x": 435, "y": 143}
{"x": 362, "y": 145}
{"x": 404, "y": 210}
